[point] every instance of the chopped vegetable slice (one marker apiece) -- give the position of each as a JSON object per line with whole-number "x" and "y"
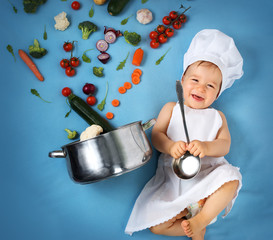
{"x": 102, "y": 45}
{"x": 35, "y": 92}
{"x": 122, "y": 90}
{"x": 135, "y": 80}
{"x": 127, "y": 85}
{"x": 101, "y": 105}
{"x": 109, "y": 115}
{"x": 10, "y": 49}
{"x": 110, "y": 37}
{"x": 104, "y": 57}
{"x": 137, "y": 70}
{"x": 115, "y": 102}
{"x": 122, "y": 64}
{"x": 161, "y": 58}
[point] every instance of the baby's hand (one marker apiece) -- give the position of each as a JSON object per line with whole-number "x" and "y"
{"x": 197, "y": 148}
{"x": 178, "y": 149}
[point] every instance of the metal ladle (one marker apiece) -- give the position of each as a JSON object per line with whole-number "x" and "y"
{"x": 187, "y": 166}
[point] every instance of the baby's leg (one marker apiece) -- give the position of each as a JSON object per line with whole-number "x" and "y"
{"x": 214, "y": 204}
{"x": 171, "y": 227}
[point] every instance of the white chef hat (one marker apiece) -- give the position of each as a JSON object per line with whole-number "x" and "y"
{"x": 214, "y": 46}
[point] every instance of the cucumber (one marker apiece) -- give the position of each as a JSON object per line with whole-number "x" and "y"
{"x": 87, "y": 113}
{"x": 116, "y": 6}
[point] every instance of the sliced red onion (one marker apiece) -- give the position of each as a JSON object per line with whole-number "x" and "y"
{"x": 117, "y": 33}
{"x": 102, "y": 45}
{"x": 110, "y": 37}
{"x": 104, "y": 57}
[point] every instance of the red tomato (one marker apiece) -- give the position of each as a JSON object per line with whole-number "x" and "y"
{"x": 177, "y": 25}
{"x": 166, "y": 20}
{"x": 64, "y": 63}
{"x": 173, "y": 14}
{"x": 162, "y": 38}
{"x": 154, "y": 43}
{"x": 69, "y": 71}
{"x": 75, "y": 5}
{"x": 169, "y": 32}
{"x": 68, "y": 46}
{"x": 74, "y": 62}
{"x": 66, "y": 91}
{"x": 91, "y": 100}
{"x": 160, "y": 28}
{"x": 153, "y": 35}
{"x": 182, "y": 18}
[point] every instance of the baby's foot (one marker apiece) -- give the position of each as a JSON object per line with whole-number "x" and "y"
{"x": 200, "y": 235}
{"x": 193, "y": 226}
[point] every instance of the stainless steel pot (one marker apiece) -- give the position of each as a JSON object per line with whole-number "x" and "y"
{"x": 107, "y": 155}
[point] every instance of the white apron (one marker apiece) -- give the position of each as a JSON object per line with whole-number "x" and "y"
{"x": 166, "y": 195}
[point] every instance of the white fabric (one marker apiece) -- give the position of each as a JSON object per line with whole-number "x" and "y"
{"x": 166, "y": 195}
{"x": 216, "y": 47}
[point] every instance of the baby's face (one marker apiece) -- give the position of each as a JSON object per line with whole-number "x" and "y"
{"x": 201, "y": 85}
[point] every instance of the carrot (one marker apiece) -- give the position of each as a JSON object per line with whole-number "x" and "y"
{"x": 115, "y": 103}
{"x": 109, "y": 115}
{"x": 138, "y": 56}
{"x": 30, "y": 64}
{"x": 135, "y": 80}
{"x": 122, "y": 90}
{"x": 127, "y": 85}
{"x": 137, "y": 70}
{"x": 135, "y": 74}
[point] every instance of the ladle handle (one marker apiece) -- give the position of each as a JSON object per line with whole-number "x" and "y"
{"x": 179, "y": 92}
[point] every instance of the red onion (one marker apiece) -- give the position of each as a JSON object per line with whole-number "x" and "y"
{"x": 89, "y": 88}
{"x": 117, "y": 33}
{"x": 102, "y": 45}
{"x": 110, "y": 37}
{"x": 104, "y": 57}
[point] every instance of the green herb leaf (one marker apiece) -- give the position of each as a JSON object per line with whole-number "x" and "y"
{"x": 67, "y": 114}
{"x": 10, "y": 49}
{"x": 45, "y": 34}
{"x": 124, "y": 21}
{"x": 144, "y": 1}
{"x": 91, "y": 12}
{"x": 85, "y": 58}
{"x": 122, "y": 64}
{"x": 101, "y": 105}
{"x": 161, "y": 58}
{"x": 35, "y": 93}
{"x": 13, "y": 7}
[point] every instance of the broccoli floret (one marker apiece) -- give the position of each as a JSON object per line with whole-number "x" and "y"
{"x": 35, "y": 50}
{"x": 98, "y": 71}
{"x": 132, "y": 38}
{"x": 87, "y": 28}
{"x": 71, "y": 134}
{"x": 30, "y": 6}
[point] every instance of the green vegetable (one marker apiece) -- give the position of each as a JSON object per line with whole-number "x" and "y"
{"x": 71, "y": 134}
{"x": 161, "y": 58}
{"x": 116, "y": 6}
{"x": 132, "y": 37}
{"x": 87, "y": 113}
{"x": 13, "y": 7}
{"x": 45, "y": 34}
{"x": 35, "y": 50}
{"x": 87, "y": 28}
{"x": 122, "y": 64}
{"x": 35, "y": 92}
{"x": 144, "y": 1}
{"x": 124, "y": 21}
{"x": 91, "y": 12}
{"x": 84, "y": 57}
{"x": 30, "y": 6}
{"x": 10, "y": 49}
{"x": 68, "y": 113}
{"x": 98, "y": 71}
{"x": 101, "y": 105}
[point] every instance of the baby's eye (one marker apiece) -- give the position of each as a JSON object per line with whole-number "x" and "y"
{"x": 195, "y": 80}
{"x": 210, "y": 86}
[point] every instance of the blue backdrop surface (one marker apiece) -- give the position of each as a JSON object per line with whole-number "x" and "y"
{"x": 39, "y": 200}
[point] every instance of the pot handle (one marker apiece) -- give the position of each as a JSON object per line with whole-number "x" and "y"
{"x": 148, "y": 124}
{"x": 57, "y": 154}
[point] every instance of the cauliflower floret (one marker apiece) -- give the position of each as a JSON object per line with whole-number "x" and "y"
{"x": 62, "y": 22}
{"x": 90, "y": 132}
{"x": 144, "y": 16}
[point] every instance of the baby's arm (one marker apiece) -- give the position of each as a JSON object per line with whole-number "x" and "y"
{"x": 160, "y": 139}
{"x": 217, "y": 148}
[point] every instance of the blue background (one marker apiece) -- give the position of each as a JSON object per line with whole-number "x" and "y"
{"x": 38, "y": 199}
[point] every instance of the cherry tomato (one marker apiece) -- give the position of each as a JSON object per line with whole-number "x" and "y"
{"x": 75, "y": 5}
{"x": 69, "y": 71}
{"x": 64, "y": 63}
{"x": 154, "y": 43}
{"x": 153, "y": 35}
{"x": 173, "y": 14}
{"x": 169, "y": 32}
{"x": 182, "y": 18}
{"x": 177, "y": 25}
{"x": 68, "y": 46}
{"x": 66, "y": 91}
{"x": 162, "y": 38}
{"x": 166, "y": 20}
{"x": 74, "y": 62}
{"x": 160, "y": 28}
{"x": 91, "y": 100}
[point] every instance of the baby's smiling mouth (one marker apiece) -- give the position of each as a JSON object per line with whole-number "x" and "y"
{"x": 197, "y": 98}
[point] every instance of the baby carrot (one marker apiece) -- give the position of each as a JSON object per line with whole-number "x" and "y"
{"x": 138, "y": 56}
{"x": 127, "y": 85}
{"x": 135, "y": 80}
{"x": 122, "y": 90}
{"x": 115, "y": 103}
{"x": 109, "y": 115}
{"x": 30, "y": 64}
{"x": 137, "y": 70}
